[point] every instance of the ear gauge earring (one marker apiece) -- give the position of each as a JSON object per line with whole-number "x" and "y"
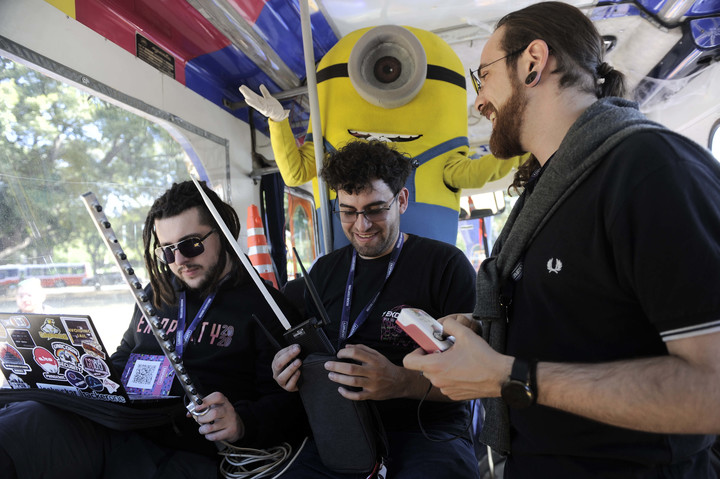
{"x": 531, "y": 77}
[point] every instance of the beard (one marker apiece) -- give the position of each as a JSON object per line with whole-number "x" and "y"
{"x": 382, "y": 245}
{"x": 505, "y": 137}
{"x": 206, "y": 282}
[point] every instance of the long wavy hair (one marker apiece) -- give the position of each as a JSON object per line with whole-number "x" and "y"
{"x": 176, "y": 200}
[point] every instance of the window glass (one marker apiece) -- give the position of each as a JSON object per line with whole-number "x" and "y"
{"x": 299, "y": 230}
{"x": 57, "y": 143}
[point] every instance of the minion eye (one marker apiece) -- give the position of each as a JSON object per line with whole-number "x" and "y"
{"x": 388, "y": 66}
{"x": 387, "y": 69}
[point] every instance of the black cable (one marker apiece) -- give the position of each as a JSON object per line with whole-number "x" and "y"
{"x": 466, "y": 429}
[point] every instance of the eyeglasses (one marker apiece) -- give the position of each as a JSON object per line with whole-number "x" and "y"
{"x": 372, "y": 215}
{"x": 189, "y": 247}
{"x": 475, "y": 74}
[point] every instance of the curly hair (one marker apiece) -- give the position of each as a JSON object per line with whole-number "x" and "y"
{"x": 176, "y": 200}
{"x": 354, "y": 167}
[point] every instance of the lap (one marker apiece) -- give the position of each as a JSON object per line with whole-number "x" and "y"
{"x": 43, "y": 441}
{"x": 412, "y": 455}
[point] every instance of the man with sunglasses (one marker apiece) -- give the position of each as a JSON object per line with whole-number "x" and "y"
{"x": 603, "y": 359}
{"x": 205, "y": 299}
{"x": 363, "y": 286}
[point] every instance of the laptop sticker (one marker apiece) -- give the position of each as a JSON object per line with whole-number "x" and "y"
{"x": 68, "y": 357}
{"x": 22, "y": 338}
{"x": 94, "y": 366}
{"x": 78, "y": 329}
{"x": 12, "y": 360}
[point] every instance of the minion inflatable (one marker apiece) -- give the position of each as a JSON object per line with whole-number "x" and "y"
{"x": 404, "y": 86}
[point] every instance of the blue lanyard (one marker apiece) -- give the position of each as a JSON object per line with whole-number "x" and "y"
{"x": 347, "y": 301}
{"x": 182, "y": 311}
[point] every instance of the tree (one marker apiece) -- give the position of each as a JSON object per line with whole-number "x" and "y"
{"x": 56, "y": 143}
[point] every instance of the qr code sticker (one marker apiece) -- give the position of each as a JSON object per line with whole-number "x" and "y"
{"x": 143, "y": 374}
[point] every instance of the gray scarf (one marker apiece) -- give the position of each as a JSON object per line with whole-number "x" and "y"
{"x": 598, "y": 130}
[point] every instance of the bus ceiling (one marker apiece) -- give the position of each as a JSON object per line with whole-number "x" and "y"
{"x": 179, "y": 55}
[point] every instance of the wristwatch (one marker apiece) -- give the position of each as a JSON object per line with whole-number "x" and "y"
{"x": 520, "y": 390}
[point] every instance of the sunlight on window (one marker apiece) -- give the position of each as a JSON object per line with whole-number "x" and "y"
{"x": 57, "y": 143}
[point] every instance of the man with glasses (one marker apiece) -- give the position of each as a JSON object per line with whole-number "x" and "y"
{"x": 363, "y": 286}
{"x": 205, "y": 299}
{"x": 605, "y": 358}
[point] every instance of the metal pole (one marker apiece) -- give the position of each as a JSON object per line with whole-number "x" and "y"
{"x": 316, "y": 123}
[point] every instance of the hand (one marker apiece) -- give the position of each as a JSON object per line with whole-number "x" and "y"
{"x": 221, "y": 422}
{"x": 265, "y": 104}
{"x": 286, "y": 368}
{"x": 375, "y": 374}
{"x": 470, "y": 369}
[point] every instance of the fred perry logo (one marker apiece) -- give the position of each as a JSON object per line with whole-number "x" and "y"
{"x": 554, "y": 265}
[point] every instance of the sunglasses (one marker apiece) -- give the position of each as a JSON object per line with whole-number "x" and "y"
{"x": 189, "y": 247}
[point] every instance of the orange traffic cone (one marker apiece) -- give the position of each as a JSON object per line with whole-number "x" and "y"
{"x": 257, "y": 246}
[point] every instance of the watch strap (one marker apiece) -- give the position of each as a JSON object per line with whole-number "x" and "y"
{"x": 525, "y": 371}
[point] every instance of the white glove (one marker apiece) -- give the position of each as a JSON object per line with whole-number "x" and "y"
{"x": 265, "y": 104}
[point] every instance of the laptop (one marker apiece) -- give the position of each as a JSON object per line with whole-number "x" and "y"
{"x": 64, "y": 353}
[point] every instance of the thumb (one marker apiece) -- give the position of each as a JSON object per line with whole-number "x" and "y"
{"x": 452, "y": 327}
{"x": 266, "y": 93}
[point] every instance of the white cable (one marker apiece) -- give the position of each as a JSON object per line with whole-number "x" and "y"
{"x": 247, "y": 463}
{"x": 246, "y": 263}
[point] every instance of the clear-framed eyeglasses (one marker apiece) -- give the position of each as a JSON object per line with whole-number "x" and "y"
{"x": 371, "y": 214}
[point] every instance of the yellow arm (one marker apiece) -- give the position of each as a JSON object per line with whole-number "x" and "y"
{"x": 297, "y": 165}
{"x": 463, "y": 172}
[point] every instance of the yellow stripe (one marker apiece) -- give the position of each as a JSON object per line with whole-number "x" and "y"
{"x": 66, "y": 6}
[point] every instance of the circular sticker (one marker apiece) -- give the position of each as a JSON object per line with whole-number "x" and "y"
{"x": 76, "y": 379}
{"x": 45, "y": 360}
{"x": 94, "y": 383}
{"x": 94, "y": 366}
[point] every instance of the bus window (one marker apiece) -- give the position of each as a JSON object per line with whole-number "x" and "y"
{"x": 300, "y": 229}
{"x": 481, "y": 219}
{"x": 57, "y": 143}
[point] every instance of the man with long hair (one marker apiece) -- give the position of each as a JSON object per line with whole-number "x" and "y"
{"x": 605, "y": 358}
{"x": 205, "y": 300}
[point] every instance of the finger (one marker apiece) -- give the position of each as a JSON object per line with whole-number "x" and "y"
{"x": 246, "y": 92}
{"x": 292, "y": 383}
{"x": 349, "y": 369}
{"x": 265, "y": 92}
{"x": 455, "y": 317}
{"x": 284, "y": 358}
{"x": 291, "y": 371}
{"x": 345, "y": 380}
{"x": 415, "y": 360}
{"x": 452, "y": 327}
{"x": 358, "y": 352}
{"x": 353, "y": 395}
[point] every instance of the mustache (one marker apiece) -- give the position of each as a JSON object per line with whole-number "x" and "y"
{"x": 186, "y": 266}
{"x": 487, "y": 109}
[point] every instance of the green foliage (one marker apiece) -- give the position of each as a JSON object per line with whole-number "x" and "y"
{"x": 56, "y": 143}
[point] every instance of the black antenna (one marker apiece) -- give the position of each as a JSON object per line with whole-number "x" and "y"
{"x": 313, "y": 292}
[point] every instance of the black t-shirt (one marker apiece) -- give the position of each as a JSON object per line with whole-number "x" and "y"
{"x": 630, "y": 258}
{"x": 227, "y": 352}
{"x": 430, "y": 275}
